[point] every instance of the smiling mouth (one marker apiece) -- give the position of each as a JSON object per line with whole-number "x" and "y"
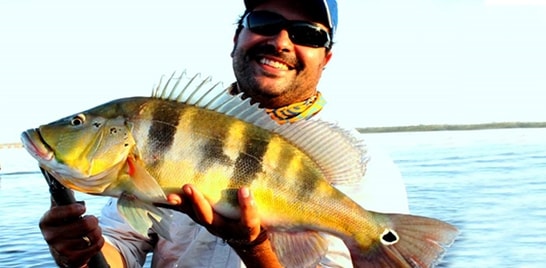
{"x": 275, "y": 64}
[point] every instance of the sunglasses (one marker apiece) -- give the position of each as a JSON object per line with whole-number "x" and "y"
{"x": 300, "y": 32}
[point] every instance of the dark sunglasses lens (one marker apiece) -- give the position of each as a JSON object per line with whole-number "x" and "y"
{"x": 265, "y": 23}
{"x": 301, "y": 33}
{"x": 308, "y": 35}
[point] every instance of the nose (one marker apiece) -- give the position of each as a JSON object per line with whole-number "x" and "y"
{"x": 281, "y": 41}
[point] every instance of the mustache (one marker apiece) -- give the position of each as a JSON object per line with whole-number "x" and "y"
{"x": 266, "y": 49}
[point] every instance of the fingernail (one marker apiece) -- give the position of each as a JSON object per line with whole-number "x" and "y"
{"x": 187, "y": 190}
{"x": 174, "y": 199}
{"x": 80, "y": 206}
{"x": 245, "y": 192}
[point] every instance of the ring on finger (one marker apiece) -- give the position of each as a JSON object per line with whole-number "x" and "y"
{"x": 87, "y": 240}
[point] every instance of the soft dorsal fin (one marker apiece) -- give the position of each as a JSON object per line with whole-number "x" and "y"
{"x": 340, "y": 155}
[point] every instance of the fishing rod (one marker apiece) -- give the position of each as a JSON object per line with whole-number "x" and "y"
{"x": 63, "y": 196}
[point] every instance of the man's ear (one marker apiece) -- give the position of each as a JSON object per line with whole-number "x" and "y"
{"x": 235, "y": 37}
{"x": 327, "y": 58}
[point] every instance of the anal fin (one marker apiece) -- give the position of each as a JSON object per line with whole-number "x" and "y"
{"x": 299, "y": 249}
{"x": 142, "y": 216}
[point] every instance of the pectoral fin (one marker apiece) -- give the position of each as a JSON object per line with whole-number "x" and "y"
{"x": 140, "y": 183}
{"x": 140, "y": 191}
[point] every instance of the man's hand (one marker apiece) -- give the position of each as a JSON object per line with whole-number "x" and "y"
{"x": 192, "y": 202}
{"x": 72, "y": 239}
{"x": 244, "y": 235}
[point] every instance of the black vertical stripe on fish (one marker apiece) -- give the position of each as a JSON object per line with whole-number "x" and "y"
{"x": 213, "y": 153}
{"x": 286, "y": 155}
{"x": 165, "y": 119}
{"x": 249, "y": 162}
{"x": 302, "y": 179}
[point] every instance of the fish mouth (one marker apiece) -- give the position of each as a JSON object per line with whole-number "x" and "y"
{"x": 36, "y": 146}
{"x": 72, "y": 178}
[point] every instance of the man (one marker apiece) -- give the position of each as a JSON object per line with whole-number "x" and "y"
{"x": 277, "y": 63}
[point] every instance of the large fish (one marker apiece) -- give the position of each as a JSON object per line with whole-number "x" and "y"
{"x": 140, "y": 149}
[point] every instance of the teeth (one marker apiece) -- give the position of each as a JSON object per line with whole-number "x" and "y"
{"x": 274, "y": 64}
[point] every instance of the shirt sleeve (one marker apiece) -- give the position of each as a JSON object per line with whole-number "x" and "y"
{"x": 118, "y": 233}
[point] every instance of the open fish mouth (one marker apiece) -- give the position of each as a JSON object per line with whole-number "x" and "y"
{"x": 36, "y": 146}
{"x": 41, "y": 151}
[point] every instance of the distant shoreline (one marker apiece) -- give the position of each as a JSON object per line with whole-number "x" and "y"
{"x": 447, "y": 127}
{"x": 414, "y": 128}
{"x": 11, "y": 145}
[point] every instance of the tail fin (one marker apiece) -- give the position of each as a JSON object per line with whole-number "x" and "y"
{"x": 407, "y": 241}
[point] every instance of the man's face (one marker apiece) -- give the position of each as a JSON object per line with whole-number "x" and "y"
{"x": 271, "y": 69}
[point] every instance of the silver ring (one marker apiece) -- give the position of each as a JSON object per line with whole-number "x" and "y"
{"x": 87, "y": 240}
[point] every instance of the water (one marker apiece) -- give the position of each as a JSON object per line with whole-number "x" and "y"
{"x": 489, "y": 183}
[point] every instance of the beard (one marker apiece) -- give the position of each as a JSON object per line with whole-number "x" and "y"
{"x": 269, "y": 89}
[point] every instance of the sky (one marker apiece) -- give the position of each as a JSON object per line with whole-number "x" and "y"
{"x": 395, "y": 62}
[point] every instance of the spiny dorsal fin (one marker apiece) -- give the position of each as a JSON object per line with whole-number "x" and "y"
{"x": 202, "y": 93}
{"x": 339, "y": 154}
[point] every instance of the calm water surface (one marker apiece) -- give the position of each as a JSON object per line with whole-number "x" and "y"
{"x": 489, "y": 183}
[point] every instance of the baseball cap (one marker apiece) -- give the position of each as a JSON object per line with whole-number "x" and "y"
{"x": 328, "y": 8}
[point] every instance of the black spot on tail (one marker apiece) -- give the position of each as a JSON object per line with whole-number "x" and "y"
{"x": 389, "y": 237}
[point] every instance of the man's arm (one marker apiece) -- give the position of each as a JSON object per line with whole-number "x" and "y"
{"x": 260, "y": 255}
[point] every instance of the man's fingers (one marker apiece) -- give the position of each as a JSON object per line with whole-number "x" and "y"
{"x": 73, "y": 230}
{"x": 249, "y": 212}
{"x": 201, "y": 206}
{"x": 175, "y": 202}
{"x": 62, "y": 214}
{"x": 192, "y": 202}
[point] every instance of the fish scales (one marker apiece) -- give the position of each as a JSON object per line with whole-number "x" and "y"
{"x": 188, "y": 129}
{"x": 141, "y": 149}
{"x": 192, "y": 143}
{"x": 252, "y": 146}
{"x": 162, "y": 130}
{"x": 201, "y": 135}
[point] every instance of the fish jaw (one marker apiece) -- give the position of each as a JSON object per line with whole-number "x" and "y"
{"x": 36, "y": 147}
{"x": 66, "y": 175}
{"x": 41, "y": 151}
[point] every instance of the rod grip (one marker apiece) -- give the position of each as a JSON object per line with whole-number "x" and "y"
{"x": 64, "y": 196}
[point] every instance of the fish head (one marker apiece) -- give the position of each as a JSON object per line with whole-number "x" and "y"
{"x": 83, "y": 149}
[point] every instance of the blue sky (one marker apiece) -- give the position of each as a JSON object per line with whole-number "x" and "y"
{"x": 396, "y": 62}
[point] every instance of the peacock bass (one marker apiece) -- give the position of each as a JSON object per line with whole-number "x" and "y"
{"x": 191, "y": 130}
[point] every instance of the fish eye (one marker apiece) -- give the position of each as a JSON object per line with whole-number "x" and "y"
{"x": 78, "y": 120}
